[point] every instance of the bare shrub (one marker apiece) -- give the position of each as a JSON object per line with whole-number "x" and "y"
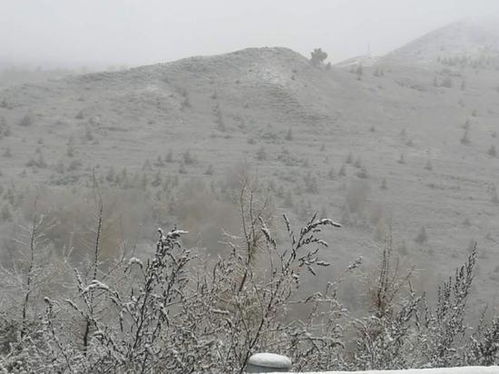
{"x": 187, "y": 158}
{"x": 26, "y": 120}
{"x": 465, "y": 139}
{"x": 201, "y": 211}
{"x": 422, "y": 236}
{"x": 442, "y": 328}
{"x": 383, "y": 338}
{"x": 483, "y": 349}
{"x": 492, "y": 151}
{"x": 261, "y": 154}
{"x": 73, "y": 216}
{"x": 357, "y": 194}
{"x": 162, "y": 314}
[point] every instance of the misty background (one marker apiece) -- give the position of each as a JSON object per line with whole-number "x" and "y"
{"x": 96, "y": 34}
{"x": 119, "y": 117}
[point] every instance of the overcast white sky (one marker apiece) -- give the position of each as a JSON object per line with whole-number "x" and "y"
{"x": 89, "y": 32}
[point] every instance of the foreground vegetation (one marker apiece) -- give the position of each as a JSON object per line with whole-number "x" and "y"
{"x": 179, "y": 310}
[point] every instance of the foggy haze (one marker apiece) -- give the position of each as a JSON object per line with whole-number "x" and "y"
{"x": 324, "y": 175}
{"x": 61, "y": 33}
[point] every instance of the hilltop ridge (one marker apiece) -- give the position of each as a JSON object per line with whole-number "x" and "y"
{"x": 470, "y": 39}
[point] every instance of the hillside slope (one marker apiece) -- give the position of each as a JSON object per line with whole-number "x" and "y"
{"x": 472, "y": 40}
{"x": 392, "y": 148}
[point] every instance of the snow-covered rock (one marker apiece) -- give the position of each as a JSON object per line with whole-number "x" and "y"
{"x": 266, "y": 362}
{"x": 458, "y": 370}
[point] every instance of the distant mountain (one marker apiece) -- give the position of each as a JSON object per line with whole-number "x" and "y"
{"x": 470, "y": 40}
{"x": 365, "y": 60}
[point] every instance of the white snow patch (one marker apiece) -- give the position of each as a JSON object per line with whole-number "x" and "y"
{"x": 269, "y": 360}
{"x": 458, "y": 370}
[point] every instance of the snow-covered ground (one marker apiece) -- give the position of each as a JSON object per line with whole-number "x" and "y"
{"x": 459, "y": 370}
{"x": 271, "y": 361}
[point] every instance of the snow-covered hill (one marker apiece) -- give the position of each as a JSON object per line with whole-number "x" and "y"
{"x": 422, "y": 140}
{"x": 469, "y": 39}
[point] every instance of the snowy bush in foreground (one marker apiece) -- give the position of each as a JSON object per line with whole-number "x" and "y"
{"x": 165, "y": 314}
{"x": 176, "y": 312}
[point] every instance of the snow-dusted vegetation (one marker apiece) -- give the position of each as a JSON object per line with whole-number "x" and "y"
{"x": 458, "y": 370}
{"x": 238, "y": 149}
{"x": 179, "y": 311}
